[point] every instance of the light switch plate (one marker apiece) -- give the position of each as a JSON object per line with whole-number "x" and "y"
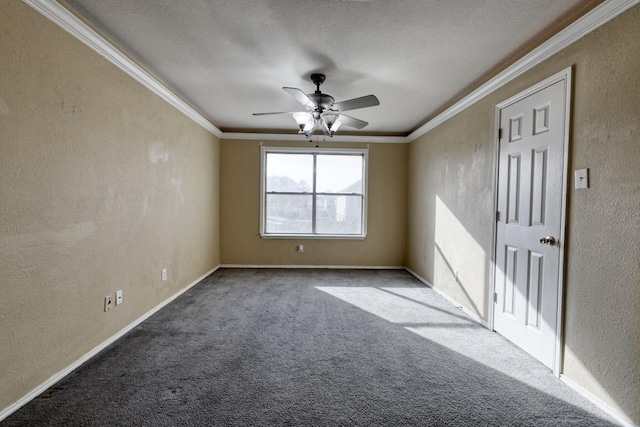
{"x": 582, "y": 178}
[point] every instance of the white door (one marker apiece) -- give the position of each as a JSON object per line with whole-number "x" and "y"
{"x": 530, "y": 200}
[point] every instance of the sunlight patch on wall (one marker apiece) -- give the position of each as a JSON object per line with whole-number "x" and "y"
{"x": 459, "y": 262}
{"x": 588, "y": 382}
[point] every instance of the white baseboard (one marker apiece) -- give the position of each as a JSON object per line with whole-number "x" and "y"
{"x": 623, "y": 420}
{"x": 334, "y": 267}
{"x": 66, "y": 371}
{"x": 466, "y": 311}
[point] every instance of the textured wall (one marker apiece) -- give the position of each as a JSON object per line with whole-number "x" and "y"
{"x": 240, "y": 211}
{"x": 450, "y": 191}
{"x": 450, "y": 201}
{"x": 102, "y": 184}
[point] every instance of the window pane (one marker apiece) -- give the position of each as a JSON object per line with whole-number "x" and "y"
{"x": 289, "y": 172}
{"x": 339, "y": 214}
{"x": 288, "y": 213}
{"x": 339, "y": 174}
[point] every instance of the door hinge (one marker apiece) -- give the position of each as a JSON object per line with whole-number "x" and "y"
{"x": 497, "y": 216}
{"x": 495, "y": 297}
{"x": 499, "y": 134}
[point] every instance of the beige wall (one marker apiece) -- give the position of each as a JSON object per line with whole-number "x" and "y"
{"x": 240, "y": 211}
{"x": 450, "y": 198}
{"x": 102, "y": 184}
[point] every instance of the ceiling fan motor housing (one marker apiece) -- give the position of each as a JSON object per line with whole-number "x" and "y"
{"x": 322, "y": 100}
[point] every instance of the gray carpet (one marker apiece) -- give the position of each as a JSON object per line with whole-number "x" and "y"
{"x": 310, "y": 347}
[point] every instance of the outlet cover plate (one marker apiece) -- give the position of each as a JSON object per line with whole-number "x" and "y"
{"x": 119, "y": 297}
{"x": 582, "y": 179}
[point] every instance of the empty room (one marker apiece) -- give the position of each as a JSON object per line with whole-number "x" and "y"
{"x": 320, "y": 212}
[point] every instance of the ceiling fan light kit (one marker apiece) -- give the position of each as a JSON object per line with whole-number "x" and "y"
{"x": 322, "y": 112}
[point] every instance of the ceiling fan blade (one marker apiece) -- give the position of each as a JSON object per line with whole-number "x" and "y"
{"x": 352, "y": 121}
{"x": 301, "y": 97}
{"x": 355, "y": 103}
{"x": 266, "y": 114}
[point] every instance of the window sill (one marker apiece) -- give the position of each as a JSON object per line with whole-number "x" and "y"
{"x": 315, "y": 236}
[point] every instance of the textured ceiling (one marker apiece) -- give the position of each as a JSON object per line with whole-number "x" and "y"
{"x": 231, "y": 58}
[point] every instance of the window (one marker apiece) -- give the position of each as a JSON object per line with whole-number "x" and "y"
{"x": 318, "y": 193}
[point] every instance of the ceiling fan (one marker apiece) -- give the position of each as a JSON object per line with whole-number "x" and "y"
{"x": 323, "y": 112}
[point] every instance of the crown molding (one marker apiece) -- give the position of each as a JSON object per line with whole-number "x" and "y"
{"x": 597, "y": 17}
{"x": 81, "y": 31}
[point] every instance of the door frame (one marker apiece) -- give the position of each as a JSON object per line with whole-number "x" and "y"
{"x": 562, "y": 76}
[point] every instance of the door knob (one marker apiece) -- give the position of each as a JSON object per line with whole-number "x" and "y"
{"x": 549, "y": 240}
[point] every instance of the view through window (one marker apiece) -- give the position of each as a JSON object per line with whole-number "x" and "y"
{"x": 314, "y": 192}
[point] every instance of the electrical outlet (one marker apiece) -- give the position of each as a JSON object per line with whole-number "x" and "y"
{"x": 107, "y": 303}
{"x": 119, "y": 297}
{"x": 300, "y": 249}
{"x": 164, "y": 274}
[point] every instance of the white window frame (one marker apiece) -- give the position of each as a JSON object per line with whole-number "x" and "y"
{"x": 264, "y": 150}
